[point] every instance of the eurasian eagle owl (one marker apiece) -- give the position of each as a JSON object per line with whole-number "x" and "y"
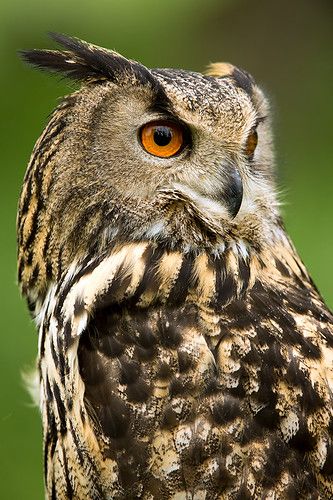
{"x": 184, "y": 352}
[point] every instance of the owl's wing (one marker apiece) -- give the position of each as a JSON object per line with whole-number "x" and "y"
{"x": 151, "y": 390}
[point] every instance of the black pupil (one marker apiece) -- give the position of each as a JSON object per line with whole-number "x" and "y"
{"x": 162, "y": 136}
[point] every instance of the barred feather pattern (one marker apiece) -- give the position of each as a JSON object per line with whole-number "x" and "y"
{"x": 203, "y": 375}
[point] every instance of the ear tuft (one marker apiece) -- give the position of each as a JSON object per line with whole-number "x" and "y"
{"x": 226, "y": 70}
{"x": 220, "y": 69}
{"x": 84, "y": 61}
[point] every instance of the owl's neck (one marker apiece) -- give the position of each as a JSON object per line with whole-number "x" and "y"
{"x": 145, "y": 274}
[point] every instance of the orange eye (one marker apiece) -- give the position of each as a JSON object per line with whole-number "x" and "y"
{"x": 162, "y": 138}
{"x": 251, "y": 143}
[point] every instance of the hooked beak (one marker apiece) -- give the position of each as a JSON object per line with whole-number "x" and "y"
{"x": 214, "y": 195}
{"x": 232, "y": 192}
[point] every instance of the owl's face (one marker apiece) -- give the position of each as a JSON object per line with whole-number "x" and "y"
{"x": 197, "y": 139}
{"x": 171, "y": 155}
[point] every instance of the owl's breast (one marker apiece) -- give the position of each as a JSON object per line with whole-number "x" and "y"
{"x": 149, "y": 377}
{"x": 187, "y": 404}
{"x": 181, "y": 383}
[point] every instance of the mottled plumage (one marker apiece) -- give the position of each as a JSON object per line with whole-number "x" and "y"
{"x": 184, "y": 352}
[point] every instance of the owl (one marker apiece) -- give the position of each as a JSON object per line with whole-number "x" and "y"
{"x": 184, "y": 352}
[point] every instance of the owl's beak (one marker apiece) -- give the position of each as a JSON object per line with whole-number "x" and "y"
{"x": 232, "y": 192}
{"x": 218, "y": 195}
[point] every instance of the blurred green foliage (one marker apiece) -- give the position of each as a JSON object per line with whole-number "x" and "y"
{"x": 286, "y": 45}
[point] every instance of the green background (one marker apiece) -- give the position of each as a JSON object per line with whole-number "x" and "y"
{"x": 286, "y": 45}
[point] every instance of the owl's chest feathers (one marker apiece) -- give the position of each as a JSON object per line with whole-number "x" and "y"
{"x": 173, "y": 357}
{"x": 226, "y": 301}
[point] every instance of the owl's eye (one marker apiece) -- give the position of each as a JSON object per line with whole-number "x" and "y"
{"x": 251, "y": 143}
{"x": 162, "y": 138}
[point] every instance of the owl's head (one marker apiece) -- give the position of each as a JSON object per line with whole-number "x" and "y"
{"x": 179, "y": 157}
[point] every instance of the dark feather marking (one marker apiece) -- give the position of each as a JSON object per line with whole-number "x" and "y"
{"x": 20, "y": 270}
{"x": 195, "y": 454}
{"x": 34, "y": 275}
{"x": 69, "y": 401}
{"x": 61, "y": 409}
{"x": 29, "y": 257}
{"x": 132, "y": 467}
{"x": 51, "y": 434}
{"x": 212, "y": 386}
{"x": 114, "y": 417}
{"x": 238, "y": 314}
{"x": 327, "y": 468}
{"x": 49, "y": 447}
{"x": 44, "y": 155}
{"x": 226, "y": 411}
{"x": 328, "y": 336}
{"x": 116, "y": 290}
{"x": 299, "y": 300}
{"x": 303, "y": 440}
{"x": 69, "y": 488}
{"x": 33, "y": 230}
{"x": 180, "y": 385}
{"x": 243, "y": 493}
{"x": 53, "y": 490}
{"x": 253, "y": 357}
{"x": 54, "y": 354}
{"x": 81, "y": 456}
{"x": 62, "y": 365}
{"x": 268, "y": 417}
{"x": 86, "y": 267}
{"x": 26, "y": 202}
{"x": 151, "y": 279}
{"x": 244, "y": 273}
{"x": 68, "y": 334}
{"x": 311, "y": 401}
{"x": 220, "y": 275}
{"x": 129, "y": 371}
{"x": 139, "y": 391}
{"x": 49, "y": 393}
{"x": 164, "y": 371}
{"x": 79, "y": 306}
{"x": 45, "y": 328}
{"x": 110, "y": 346}
{"x": 146, "y": 337}
{"x": 185, "y": 361}
{"x": 276, "y": 461}
{"x": 91, "y": 369}
{"x": 282, "y": 268}
{"x": 226, "y": 290}
{"x": 180, "y": 288}
{"x": 239, "y": 391}
{"x": 222, "y": 479}
{"x": 144, "y": 354}
{"x": 272, "y": 356}
{"x": 169, "y": 418}
{"x": 294, "y": 374}
{"x": 169, "y": 332}
{"x": 48, "y": 270}
{"x": 151, "y": 260}
{"x": 54, "y": 129}
{"x": 252, "y": 432}
{"x": 243, "y": 80}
